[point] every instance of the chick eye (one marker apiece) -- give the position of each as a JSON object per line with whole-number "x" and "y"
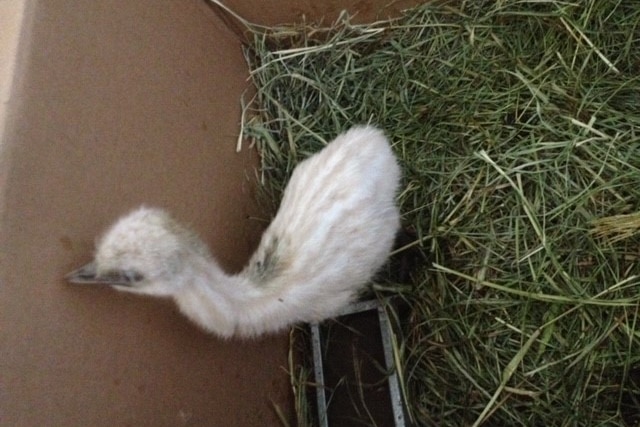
{"x": 133, "y": 276}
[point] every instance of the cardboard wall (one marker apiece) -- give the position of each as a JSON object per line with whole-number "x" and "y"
{"x": 11, "y": 18}
{"x": 112, "y": 105}
{"x": 117, "y": 104}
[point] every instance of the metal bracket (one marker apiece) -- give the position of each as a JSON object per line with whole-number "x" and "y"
{"x": 386, "y": 333}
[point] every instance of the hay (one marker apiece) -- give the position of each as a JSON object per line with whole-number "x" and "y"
{"x": 518, "y": 128}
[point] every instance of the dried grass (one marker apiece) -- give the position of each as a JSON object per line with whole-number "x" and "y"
{"x": 517, "y": 124}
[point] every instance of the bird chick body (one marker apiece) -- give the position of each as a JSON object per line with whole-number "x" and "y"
{"x": 333, "y": 230}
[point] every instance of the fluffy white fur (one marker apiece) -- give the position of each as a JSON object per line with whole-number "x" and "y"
{"x": 334, "y": 229}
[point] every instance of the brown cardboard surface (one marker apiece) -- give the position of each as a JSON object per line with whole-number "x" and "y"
{"x": 117, "y": 104}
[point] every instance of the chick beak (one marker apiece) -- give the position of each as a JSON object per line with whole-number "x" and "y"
{"x": 88, "y": 275}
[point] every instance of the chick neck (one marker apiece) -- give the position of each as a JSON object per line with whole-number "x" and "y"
{"x": 227, "y": 305}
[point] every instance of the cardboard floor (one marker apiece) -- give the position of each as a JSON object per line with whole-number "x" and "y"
{"x": 113, "y": 105}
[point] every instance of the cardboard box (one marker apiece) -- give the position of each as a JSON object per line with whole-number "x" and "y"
{"x": 107, "y": 106}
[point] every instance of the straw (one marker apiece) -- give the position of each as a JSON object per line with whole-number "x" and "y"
{"x": 517, "y": 127}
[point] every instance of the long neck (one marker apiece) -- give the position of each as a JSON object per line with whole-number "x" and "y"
{"x": 206, "y": 296}
{"x": 231, "y": 304}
